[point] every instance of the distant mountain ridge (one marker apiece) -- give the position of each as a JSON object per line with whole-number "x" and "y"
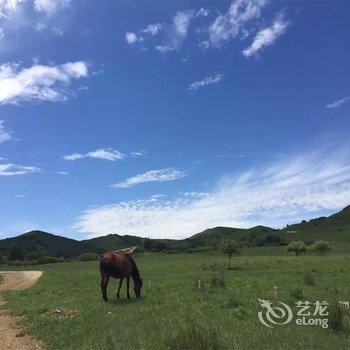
{"x": 335, "y": 228}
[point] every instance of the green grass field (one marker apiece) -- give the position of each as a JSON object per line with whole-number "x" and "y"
{"x": 172, "y": 314}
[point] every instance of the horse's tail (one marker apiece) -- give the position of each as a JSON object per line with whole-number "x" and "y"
{"x": 101, "y": 264}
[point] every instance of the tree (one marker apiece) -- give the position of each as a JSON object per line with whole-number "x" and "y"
{"x": 297, "y": 247}
{"x": 16, "y": 253}
{"x": 147, "y": 244}
{"x": 230, "y": 247}
{"x": 321, "y": 248}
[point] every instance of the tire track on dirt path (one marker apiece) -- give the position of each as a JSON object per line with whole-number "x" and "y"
{"x": 13, "y": 335}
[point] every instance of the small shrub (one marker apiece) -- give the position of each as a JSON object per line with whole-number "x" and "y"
{"x": 49, "y": 260}
{"x": 194, "y": 337}
{"x": 233, "y": 302}
{"x": 218, "y": 280}
{"x": 88, "y": 257}
{"x": 297, "y": 293}
{"x": 321, "y": 248}
{"x": 336, "y": 317}
{"x": 214, "y": 266}
{"x": 297, "y": 247}
{"x": 309, "y": 279}
{"x": 240, "y": 312}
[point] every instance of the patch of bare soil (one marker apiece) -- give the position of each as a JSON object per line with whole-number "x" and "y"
{"x": 13, "y": 335}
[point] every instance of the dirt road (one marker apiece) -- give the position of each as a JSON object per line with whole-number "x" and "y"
{"x": 13, "y": 335}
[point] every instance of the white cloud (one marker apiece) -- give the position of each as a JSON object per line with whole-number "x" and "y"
{"x": 39, "y": 82}
{"x": 13, "y": 169}
{"x": 284, "y": 192}
{"x": 61, "y": 172}
{"x": 138, "y": 154}
{"x": 153, "y": 29}
{"x": 214, "y": 79}
{"x": 7, "y": 6}
{"x": 177, "y": 33}
{"x": 40, "y": 26}
{"x": 232, "y": 23}
{"x": 266, "y": 37}
{"x": 57, "y": 31}
{"x": 204, "y": 45}
{"x": 338, "y": 103}
{"x": 131, "y": 38}
{"x": 20, "y": 196}
{"x": 202, "y": 12}
{"x": 162, "y": 175}
{"x": 49, "y": 7}
{"x": 101, "y": 153}
{"x": 4, "y": 134}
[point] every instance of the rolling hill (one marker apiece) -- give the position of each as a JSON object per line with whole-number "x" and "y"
{"x": 113, "y": 241}
{"x": 35, "y": 242}
{"x": 335, "y": 229}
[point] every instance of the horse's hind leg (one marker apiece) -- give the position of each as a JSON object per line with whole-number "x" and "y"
{"x": 104, "y": 283}
{"x": 127, "y": 287}
{"x": 120, "y": 285}
{"x": 102, "y": 287}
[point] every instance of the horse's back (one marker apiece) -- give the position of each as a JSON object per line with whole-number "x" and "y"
{"x": 115, "y": 265}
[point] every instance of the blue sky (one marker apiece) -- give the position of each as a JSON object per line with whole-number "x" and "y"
{"x": 161, "y": 119}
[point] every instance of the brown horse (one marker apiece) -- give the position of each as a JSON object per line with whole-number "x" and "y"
{"x": 119, "y": 267}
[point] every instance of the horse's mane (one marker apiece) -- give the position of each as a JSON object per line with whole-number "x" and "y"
{"x": 135, "y": 271}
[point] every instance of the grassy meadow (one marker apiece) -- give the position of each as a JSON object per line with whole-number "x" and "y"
{"x": 172, "y": 314}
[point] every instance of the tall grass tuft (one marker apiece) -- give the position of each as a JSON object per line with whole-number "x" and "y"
{"x": 336, "y": 317}
{"x": 193, "y": 337}
{"x": 309, "y": 279}
{"x": 297, "y": 293}
{"x": 218, "y": 279}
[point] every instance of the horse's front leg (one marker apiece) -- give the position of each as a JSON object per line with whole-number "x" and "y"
{"x": 120, "y": 285}
{"x": 127, "y": 287}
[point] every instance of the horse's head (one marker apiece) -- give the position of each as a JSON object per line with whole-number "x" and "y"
{"x": 137, "y": 288}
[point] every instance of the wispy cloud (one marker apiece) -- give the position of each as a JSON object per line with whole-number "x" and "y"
{"x": 162, "y": 175}
{"x": 101, "y": 153}
{"x": 138, "y": 154}
{"x": 232, "y": 23}
{"x": 7, "y": 6}
{"x": 283, "y": 192}
{"x": 39, "y": 82}
{"x": 338, "y": 103}
{"x": 266, "y": 37}
{"x": 239, "y": 22}
{"x": 152, "y": 29}
{"x": 4, "y": 134}
{"x": 134, "y": 37}
{"x": 49, "y": 7}
{"x": 61, "y": 172}
{"x": 214, "y": 79}
{"x": 14, "y": 169}
{"x": 177, "y": 32}
{"x": 20, "y": 196}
